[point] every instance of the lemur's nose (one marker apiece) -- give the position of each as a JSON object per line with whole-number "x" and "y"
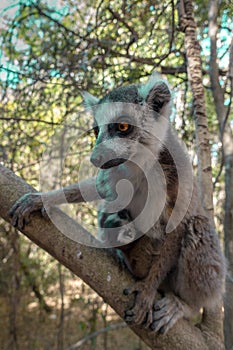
{"x": 97, "y": 159}
{"x": 103, "y": 155}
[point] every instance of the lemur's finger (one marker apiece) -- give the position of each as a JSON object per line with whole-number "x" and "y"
{"x": 127, "y": 291}
{"x": 149, "y": 319}
{"x": 129, "y": 314}
{"x": 136, "y": 288}
{"x": 21, "y": 222}
{"x": 140, "y": 317}
{"x": 14, "y": 209}
{"x": 14, "y": 218}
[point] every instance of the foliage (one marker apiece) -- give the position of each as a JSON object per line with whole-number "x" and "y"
{"x": 52, "y": 52}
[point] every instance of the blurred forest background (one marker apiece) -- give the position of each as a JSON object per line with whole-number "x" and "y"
{"x": 50, "y": 51}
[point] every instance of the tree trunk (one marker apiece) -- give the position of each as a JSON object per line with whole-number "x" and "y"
{"x": 194, "y": 68}
{"x": 228, "y": 230}
{"x": 100, "y": 271}
{"x": 227, "y": 147}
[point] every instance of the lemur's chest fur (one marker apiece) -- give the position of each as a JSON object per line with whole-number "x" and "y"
{"x": 141, "y": 254}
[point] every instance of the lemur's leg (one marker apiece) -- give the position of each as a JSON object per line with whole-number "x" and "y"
{"x": 80, "y": 192}
{"x": 165, "y": 254}
{"x": 199, "y": 279}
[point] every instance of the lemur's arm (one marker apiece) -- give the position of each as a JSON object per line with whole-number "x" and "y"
{"x": 88, "y": 190}
{"x": 95, "y": 188}
{"x": 84, "y": 191}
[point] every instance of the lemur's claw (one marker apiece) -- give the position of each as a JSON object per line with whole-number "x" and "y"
{"x": 23, "y": 207}
{"x": 142, "y": 311}
{"x": 126, "y": 291}
{"x": 131, "y": 290}
{"x": 167, "y": 311}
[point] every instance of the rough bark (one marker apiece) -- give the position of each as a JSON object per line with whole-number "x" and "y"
{"x": 194, "y": 68}
{"x": 226, "y": 137}
{"x": 228, "y": 230}
{"x": 193, "y": 54}
{"x": 100, "y": 271}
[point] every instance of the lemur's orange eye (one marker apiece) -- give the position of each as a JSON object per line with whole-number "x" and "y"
{"x": 122, "y": 127}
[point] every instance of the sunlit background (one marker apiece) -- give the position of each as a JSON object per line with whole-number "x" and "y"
{"x": 50, "y": 51}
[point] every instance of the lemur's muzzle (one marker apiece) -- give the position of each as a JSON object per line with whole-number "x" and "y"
{"x": 105, "y": 158}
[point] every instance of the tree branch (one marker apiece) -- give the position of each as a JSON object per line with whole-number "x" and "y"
{"x": 94, "y": 266}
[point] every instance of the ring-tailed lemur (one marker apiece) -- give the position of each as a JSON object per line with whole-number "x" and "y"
{"x": 151, "y": 211}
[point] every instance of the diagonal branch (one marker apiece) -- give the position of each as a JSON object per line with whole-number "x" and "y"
{"x": 94, "y": 266}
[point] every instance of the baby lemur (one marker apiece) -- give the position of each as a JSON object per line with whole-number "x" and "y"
{"x": 150, "y": 210}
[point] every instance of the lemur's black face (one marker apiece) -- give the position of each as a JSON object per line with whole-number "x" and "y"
{"x": 122, "y": 128}
{"x": 127, "y": 120}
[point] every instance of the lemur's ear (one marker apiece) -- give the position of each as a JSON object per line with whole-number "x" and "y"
{"x": 89, "y": 100}
{"x": 156, "y": 94}
{"x": 159, "y": 96}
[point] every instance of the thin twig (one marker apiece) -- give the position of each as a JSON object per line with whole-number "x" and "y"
{"x": 95, "y": 334}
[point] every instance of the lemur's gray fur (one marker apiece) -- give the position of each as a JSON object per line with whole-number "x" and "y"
{"x": 151, "y": 211}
